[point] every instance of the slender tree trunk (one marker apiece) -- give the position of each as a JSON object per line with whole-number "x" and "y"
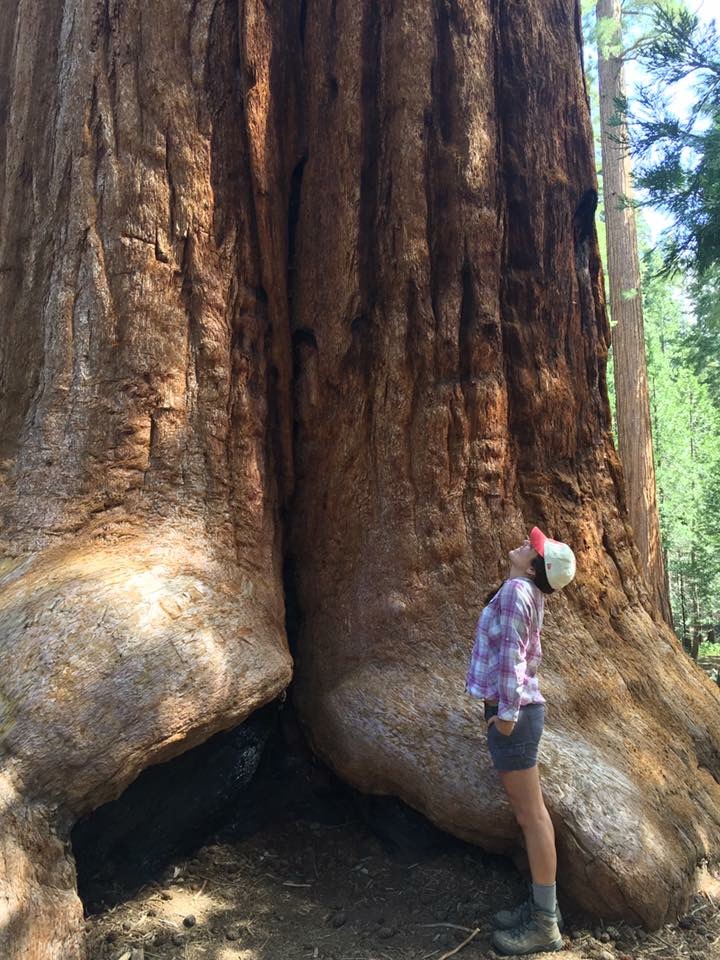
{"x": 697, "y": 629}
{"x": 682, "y": 608}
{"x": 697, "y": 637}
{"x": 630, "y": 367}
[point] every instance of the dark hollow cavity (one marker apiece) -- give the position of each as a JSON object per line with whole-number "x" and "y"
{"x": 228, "y": 788}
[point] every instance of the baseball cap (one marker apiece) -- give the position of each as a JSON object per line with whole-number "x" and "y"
{"x": 559, "y": 558}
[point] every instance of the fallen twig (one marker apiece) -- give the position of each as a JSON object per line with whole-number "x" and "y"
{"x": 465, "y": 942}
{"x": 454, "y": 926}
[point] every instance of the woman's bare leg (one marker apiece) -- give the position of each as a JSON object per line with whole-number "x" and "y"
{"x": 525, "y": 795}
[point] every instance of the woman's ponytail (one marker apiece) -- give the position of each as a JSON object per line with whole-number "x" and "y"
{"x": 541, "y": 580}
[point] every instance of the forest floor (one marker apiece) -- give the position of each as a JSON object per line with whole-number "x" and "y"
{"x": 308, "y": 887}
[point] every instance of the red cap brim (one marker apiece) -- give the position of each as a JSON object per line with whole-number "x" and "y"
{"x": 537, "y": 540}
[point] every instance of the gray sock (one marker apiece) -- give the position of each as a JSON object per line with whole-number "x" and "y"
{"x": 545, "y": 897}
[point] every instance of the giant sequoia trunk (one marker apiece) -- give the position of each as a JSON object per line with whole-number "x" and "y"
{"x": 315, "y": 286}
{"x": 146, "y": 422}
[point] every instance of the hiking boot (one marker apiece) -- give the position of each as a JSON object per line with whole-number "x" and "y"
{"x": 508, "y": 919}
{"x": 539, "y": 934}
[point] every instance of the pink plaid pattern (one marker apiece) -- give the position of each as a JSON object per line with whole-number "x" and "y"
{"x": 507, "y": 651}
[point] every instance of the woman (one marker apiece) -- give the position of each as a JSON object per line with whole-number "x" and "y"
{"x": 503, "y": 673}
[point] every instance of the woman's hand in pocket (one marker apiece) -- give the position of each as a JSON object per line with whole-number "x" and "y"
{"x": 504, "y": 727}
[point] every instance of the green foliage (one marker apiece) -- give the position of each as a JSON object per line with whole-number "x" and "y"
{"x": 682, "y": 304}
{"x": 685, "y": 416}
{"x": 703, "y": 342}
{"x": 678, "y": 158}
{"x": 609, "y": 37}
{"x": 686, "y": 443}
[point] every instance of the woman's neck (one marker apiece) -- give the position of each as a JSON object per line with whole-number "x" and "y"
{"x": 519, "y": 574}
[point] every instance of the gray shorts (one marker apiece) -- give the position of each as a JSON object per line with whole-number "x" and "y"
{"x": 519, "y": 751}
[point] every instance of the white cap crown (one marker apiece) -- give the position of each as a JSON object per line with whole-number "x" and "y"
{"x": 559, "y": 558}
{"x": 559, "y": 564}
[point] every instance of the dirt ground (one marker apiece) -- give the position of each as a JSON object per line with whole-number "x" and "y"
{"x": 302, "y": 888}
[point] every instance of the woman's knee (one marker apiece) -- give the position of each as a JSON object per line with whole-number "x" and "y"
{"x": 531, "y": 815}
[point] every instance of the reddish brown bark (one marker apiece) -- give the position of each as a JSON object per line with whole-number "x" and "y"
{"x": 145, "y": 419}
{"x": 450, "y": 393}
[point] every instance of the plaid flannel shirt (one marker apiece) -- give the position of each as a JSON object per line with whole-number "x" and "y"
{"x": 507, "y": 651}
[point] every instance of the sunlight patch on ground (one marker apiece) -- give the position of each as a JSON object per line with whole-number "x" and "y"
{"x": 184, "y": 903}
{"x": 235, "y": 953}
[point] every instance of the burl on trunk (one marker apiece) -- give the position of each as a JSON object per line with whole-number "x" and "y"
{"x": 315, "y": 285}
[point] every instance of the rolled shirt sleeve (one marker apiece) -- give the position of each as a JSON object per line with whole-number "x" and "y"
{"x": 516, "y": 625}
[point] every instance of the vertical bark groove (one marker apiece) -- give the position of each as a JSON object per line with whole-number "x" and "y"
{"x": 372, "y": 159}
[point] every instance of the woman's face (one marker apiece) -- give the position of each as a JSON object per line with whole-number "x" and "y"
{"x": 521, "y": 557}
